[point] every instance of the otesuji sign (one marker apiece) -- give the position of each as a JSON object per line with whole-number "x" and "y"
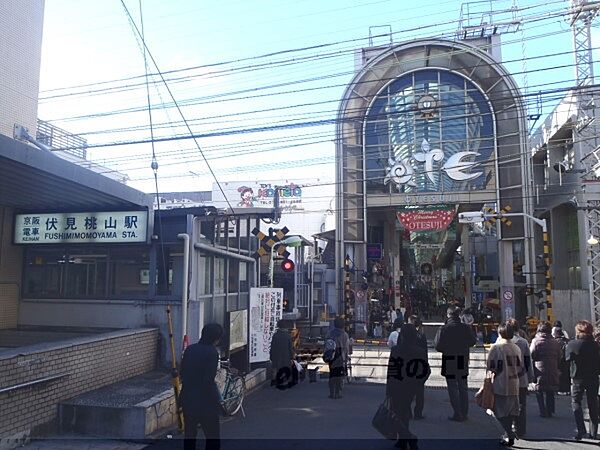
{"x": 430, "y": 219}
{"x": 87, "y": 227}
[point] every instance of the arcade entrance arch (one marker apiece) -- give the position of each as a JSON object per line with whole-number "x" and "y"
{"x": 425, "y": 130}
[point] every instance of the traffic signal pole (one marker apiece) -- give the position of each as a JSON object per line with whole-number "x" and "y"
{"x": 479, "y": 216}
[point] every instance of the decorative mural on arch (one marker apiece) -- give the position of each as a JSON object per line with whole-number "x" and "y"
{"x": 429, "y": 131}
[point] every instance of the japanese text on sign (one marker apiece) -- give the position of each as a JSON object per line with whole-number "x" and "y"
{"x": 92, "y": 227}
{"x": 266, "y": 308}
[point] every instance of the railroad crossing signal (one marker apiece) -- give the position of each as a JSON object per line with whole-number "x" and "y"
{"x": 270, "y": 241}
{"x": 492, "y": 220}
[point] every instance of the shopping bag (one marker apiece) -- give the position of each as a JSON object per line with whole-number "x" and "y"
{"x": 485, "y": 395}
{"x": 386, "y": 422}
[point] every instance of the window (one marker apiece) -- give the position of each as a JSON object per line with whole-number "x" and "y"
{"x": 86, "y": 272}
{"x": 129, "y": 272}
{"x": 204, "y": 275}
{"x": 219, "y": 276}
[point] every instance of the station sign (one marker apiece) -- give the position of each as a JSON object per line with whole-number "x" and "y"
{"x": 76, "y": 228}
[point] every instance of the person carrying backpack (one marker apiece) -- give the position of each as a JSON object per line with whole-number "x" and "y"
{"x": 335, "y": 353}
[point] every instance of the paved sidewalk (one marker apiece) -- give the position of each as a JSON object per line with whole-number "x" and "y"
{"x": 303, "y": 418}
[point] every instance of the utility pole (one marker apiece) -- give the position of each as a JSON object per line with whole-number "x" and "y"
{"x": 583, "y": 13}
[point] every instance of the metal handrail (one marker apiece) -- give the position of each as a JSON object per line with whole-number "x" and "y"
{"x": 33, "y": 383}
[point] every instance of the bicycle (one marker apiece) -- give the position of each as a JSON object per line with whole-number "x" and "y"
{"x": 232, "y": 387}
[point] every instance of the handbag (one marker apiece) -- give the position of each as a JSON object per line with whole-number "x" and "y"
{"x": 386, "y": 422}
{"x": 485, "y": 395}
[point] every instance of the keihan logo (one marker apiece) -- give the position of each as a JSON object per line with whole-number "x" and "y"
{"x": 458, "y": 167}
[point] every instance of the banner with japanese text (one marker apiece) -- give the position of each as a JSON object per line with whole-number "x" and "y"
{"x": 90, "y": 227}
{"x": 266, "y": 308}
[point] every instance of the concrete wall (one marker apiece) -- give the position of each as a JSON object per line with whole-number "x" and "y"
{"x": 115, "y": 314}
{"x": 21, "y": 24}
{"x": 11, "y": 263}
{"x": 571, "y": 306}
{"x": 79, "y": 365}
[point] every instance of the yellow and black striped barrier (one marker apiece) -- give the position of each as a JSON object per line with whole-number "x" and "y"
{"x": 548, "y": 276}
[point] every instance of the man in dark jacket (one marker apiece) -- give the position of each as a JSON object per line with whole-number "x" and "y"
{"x": 281, "y": 356}
{"x": 454, "y": 340}
{"x": 583, "y": 354}
{"x": 337, "y": 367}
{"x": 421, "y": 342}
{"x": 408, "y": 370}
{"x": 200, "y": 397}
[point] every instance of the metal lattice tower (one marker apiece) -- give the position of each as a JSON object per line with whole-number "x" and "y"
{"x": 583, "y": 13}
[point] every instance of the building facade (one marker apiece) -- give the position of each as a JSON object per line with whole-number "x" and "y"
{"x": 426, "y": 130}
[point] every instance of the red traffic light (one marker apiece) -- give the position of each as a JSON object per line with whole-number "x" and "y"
{"x": 287, "y": 265}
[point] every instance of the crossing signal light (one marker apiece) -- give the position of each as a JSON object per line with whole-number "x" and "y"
{"x": 287, "y": 265}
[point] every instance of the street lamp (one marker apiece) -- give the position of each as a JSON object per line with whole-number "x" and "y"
{"x": 292, "y": 241}
{"x": 593, "y": 240}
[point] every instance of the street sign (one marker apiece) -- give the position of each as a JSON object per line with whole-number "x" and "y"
{"x": 471, "y": 217}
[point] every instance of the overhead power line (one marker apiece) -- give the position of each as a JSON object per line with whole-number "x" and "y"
{"x": 174, "y": 100}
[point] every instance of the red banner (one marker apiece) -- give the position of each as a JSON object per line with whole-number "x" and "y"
{"x": 426, "y": 220}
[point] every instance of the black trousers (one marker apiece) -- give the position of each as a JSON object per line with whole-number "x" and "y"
{"x": 507, "y": 423}
{"x": 547, "y": 406}
{"x": 336, "y": 379}
{"x": 590, "y": 389}
{"x": 458, "y": 391}
{"x": 419, "y": 400}
{"x": 210, "y": 426}
{"x": 401, "y": 405}
{"x": 521, "y": 424}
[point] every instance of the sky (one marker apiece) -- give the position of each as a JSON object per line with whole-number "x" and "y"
{"x": 263, "y": 107}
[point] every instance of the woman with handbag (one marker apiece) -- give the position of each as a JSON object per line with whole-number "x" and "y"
{"x": 408, "y": 369}
{"x": 505, "y": 362}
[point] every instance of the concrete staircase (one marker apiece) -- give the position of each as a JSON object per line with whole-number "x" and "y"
{"x": 132, "y": 409}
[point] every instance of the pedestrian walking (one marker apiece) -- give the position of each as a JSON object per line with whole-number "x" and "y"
{"x": 546, "y": 355}
{"x": 559, "y": 326}
{"x": 564, "y": 379}
{"x": 505, "y": 363}
{"x": 526, "y": 376}
{"x": 393, "y": 315}
{"x": 200, "y": 397}
{"x": 454, "y": 340}
{"x": 421, "y": 342}
{"x": 281, "y": 355}
{"x": 339, "y": 360}
{"x": 393, "y": 338}
{"x": 408, "y": 370}
{"x": 583, "y": 354}
{"x": 400, "y": 315}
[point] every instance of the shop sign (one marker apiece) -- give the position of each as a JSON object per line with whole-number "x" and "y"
{"x": 458, "y": 167}
{"x": 266, "y": 308}
{"x": 261, "y": 195}
{"x": 374, "y": 252}
{"x": 426, "y": 220}
{"x": 76, "y": 228}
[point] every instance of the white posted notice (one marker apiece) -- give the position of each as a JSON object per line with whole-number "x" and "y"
{"x": 266, "y": 308}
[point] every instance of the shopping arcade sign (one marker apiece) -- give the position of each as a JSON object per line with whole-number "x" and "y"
{"x": 87, "y": 227}
{"x": 426, "y": 219}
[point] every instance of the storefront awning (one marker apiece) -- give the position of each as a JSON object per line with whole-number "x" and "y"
{"x": 35, "y": 180}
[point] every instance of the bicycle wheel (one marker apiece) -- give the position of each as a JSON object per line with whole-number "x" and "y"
{"x": 234, "y": 396}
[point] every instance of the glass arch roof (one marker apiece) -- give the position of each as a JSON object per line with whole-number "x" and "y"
{"x": 429, "y": 131}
